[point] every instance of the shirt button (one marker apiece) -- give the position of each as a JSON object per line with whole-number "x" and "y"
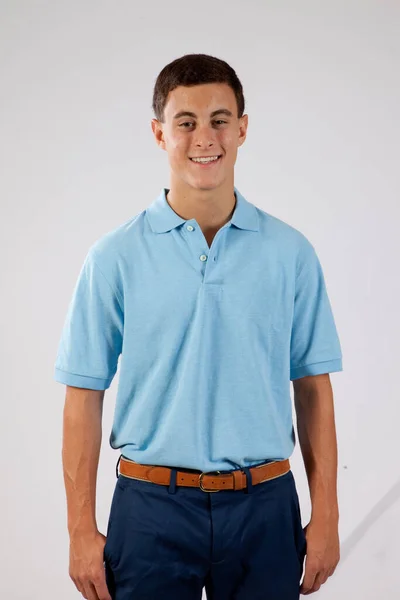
{"x": 203, "y": 257}
{"x": 189, "y": 227}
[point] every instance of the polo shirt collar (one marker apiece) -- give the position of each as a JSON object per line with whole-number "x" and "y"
{"x": 163, "y": 218}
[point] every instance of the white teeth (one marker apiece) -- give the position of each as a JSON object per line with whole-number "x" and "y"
{"x": 205, "y": 160}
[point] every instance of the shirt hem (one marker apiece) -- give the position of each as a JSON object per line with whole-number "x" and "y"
{"x": 83, "y": 381}
{"x": 327, "y": 366}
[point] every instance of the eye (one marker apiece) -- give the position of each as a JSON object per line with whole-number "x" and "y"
{"x": 183, "y": 125}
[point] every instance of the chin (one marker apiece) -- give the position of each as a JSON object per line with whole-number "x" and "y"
{"x": 206, "y": 186}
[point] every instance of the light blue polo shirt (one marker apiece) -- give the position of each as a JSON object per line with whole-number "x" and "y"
{"x": 207, "y": 340}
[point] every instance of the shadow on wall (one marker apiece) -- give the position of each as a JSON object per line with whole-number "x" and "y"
{"x": 380, "y": 508}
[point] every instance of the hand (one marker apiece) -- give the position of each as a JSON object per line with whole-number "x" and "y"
{"x": 323, "y": 553}
{"x": 86, "y": 566}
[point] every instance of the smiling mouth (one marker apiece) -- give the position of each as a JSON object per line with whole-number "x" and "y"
{"x": 206, "y": 162}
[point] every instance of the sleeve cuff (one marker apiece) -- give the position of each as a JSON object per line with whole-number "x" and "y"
{"x": 82, "y": 381}
{"x": 328, "y": 366}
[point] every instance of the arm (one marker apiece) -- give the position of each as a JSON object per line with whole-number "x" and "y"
{"x": 80, "y": 454}
{"x": 86, "y": 363}
{"x": 314, "y": 407}
{"x": 313, "y": 399}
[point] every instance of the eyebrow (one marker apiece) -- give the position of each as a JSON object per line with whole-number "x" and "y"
{"x": 185, "y": 113}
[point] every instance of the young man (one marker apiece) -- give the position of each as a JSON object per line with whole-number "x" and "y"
{"x": 214, "y": 306}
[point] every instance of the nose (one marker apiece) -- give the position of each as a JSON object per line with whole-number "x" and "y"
{"x": 205, "y": 137}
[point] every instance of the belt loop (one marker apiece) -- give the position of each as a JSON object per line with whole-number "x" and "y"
{"x": 249, "y": 480}
{"x": 116, "y": 468}
{"x": 172, "y": 481}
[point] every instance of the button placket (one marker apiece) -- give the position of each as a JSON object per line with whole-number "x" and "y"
{"x": 194, "y": 237}
{"x": 205, "y": 253}
{"x": 210, "y": 255}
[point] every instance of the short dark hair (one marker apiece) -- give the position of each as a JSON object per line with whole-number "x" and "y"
{"x": 194, "y": 69}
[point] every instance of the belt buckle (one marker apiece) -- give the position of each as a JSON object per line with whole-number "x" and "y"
{"x": 201, "y": 484}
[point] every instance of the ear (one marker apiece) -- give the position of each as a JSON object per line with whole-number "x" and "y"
{"x": 157, "y": 128}
{"x": 243, "y": 124}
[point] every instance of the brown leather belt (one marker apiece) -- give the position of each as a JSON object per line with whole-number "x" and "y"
{"x": 211, "y": 481}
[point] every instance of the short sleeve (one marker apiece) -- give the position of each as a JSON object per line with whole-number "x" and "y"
{"x": 91, "y": 339}
{"x": 314, "y": 345}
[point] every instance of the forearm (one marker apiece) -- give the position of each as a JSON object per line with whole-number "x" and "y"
{"x": 80, "y": 456}
{"x": 317, "y": 437}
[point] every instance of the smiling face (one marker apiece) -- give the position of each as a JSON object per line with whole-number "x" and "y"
{"x": 201, "y": 121}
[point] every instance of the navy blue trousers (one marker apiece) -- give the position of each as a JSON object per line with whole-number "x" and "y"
{"x": 170, "y": 542}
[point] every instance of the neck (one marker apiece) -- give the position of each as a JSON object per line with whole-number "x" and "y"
{"x": 210, "y": 208}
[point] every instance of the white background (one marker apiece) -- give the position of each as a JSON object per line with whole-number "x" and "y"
{"x": 321, "y": 83}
